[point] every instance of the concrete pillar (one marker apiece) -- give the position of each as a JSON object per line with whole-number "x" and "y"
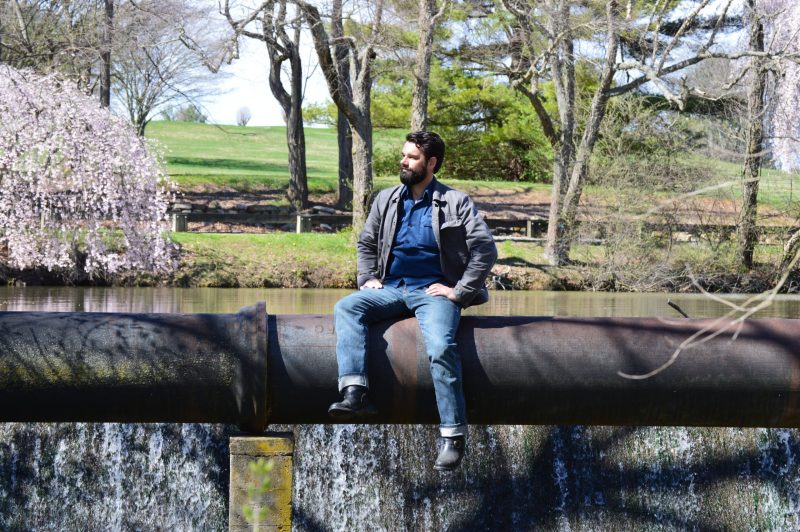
{"x": 246, "y": 487}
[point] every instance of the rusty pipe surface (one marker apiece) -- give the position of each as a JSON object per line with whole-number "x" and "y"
{"x": 112, "y": 367}
{"x": 250, "y": 368}
{"x": 554, "y": 370}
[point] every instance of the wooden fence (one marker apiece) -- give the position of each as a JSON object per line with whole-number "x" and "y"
{"x": 530, "y": 228}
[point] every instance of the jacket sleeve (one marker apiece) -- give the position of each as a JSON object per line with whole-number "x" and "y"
{"x": 367, "y": 246}
{"x": 482, "y": 253}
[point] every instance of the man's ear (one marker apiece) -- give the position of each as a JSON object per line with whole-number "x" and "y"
{"x": 432, "y": 161}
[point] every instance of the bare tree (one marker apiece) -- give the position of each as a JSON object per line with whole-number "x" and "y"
{"x": 571, "y": 162}
{"x": 747, "y": 231}
{"x": 129, "y": 49}
{"x": 153, "y": 69}
{"x": 282, "y": 38}
{"x": 63, "y": 37}
{"x": 355, "y": 106}
{"x": 243, "y": 116}
{"x": 429, "y": 16}
{"x": 653, "y": 48}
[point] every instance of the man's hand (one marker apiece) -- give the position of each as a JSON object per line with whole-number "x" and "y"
{"x": 437, "y": 289}
{"x": 372, "y": 283}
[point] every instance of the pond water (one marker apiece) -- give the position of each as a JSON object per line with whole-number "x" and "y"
{"x": 321, "y": 301}
{"x": 79, "y": 476}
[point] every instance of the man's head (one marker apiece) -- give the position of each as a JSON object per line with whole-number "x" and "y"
{"x": 423, "y": 154}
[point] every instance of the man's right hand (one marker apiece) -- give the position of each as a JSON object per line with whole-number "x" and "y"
{"x": 372, "y": 283}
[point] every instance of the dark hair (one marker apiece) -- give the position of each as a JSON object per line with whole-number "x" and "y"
{"x": 430, "y": 144}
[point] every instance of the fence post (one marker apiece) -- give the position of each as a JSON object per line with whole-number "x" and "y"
{"x": 178, "y": 223}
{"x": 303, "y": 223}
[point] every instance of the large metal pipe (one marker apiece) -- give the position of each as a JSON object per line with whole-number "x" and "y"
{"x": 250, "y": 368}
{"x": 134, "y": 367}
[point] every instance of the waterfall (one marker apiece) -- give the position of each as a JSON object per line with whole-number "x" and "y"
{"x": 79, "y": 476}
{"x": 104, "y": 476}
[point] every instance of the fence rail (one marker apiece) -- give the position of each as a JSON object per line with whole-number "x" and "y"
{"x": 526, "y": 228}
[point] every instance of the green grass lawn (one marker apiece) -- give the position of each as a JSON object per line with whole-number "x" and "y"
{"x": 255, "y": 157}
{"x": 248, "y": 157}
{"x": 252, "y": 157}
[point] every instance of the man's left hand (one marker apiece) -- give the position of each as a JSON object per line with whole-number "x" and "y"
{"x": 437, "y": 289}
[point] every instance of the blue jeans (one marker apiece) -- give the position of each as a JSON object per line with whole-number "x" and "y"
{"x": 438, "y": 319}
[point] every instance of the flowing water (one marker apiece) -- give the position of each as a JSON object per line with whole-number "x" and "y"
{"x": 82, "y": 476}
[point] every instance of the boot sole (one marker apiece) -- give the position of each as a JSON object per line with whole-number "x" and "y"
{"x": 350, "y": 415}
{"x": 446, "y": 468}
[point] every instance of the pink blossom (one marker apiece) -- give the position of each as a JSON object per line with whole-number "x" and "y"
{"x": 75, "y": 177}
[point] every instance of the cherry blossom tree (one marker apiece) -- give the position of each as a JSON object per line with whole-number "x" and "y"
{"x": 79, "y": 190}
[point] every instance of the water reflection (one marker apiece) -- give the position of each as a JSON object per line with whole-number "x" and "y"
{"x": 321, "y": 301}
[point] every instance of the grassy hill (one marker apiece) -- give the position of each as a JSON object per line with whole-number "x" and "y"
{"x": 251, "y": 157}
{"x": 247, "y": 158}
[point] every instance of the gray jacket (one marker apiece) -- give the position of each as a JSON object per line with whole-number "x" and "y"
{"x": 466, "y": 246}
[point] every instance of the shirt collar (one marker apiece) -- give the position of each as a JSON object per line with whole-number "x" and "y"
{"x": 405, "y": 193}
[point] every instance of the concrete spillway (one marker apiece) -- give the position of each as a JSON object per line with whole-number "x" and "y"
{"x": 252, "y": 368}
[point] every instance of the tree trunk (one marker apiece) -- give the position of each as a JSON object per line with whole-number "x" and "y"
{"x": 296, "y": 142}
{"x": 563, "y": 73}
{"x": 747, "y": 231}
{"x": 362, "y": 142}
{"x": 140, "y": 123}
{"x": 105, "y": 55}
{"x": 344, "y": 189}
{"x": 422, "y": 72}
{"x": 790, "y": 250}
{"x": 568, "y": 218}
{"x": 295, "y": 134}
{"x": 362, "y": 173}
{"x": 281, "y": 47}
{"x": 556, "y": 237}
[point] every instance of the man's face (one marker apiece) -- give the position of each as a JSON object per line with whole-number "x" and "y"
{"x": 413, "y": 165}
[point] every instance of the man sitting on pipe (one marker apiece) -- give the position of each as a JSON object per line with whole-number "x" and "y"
{"x": 424, "y": 251}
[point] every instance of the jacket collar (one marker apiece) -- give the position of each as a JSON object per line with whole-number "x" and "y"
{"x": 439, "y": 191}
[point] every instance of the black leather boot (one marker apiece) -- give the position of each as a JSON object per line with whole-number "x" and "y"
{"x": 450, "y": 453}
{"x": 354, "y": 406}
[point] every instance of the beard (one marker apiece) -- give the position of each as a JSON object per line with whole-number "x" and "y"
{"x": 410, "y": 178}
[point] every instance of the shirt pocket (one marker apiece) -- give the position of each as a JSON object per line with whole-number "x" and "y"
{"x": 426, "y": 237}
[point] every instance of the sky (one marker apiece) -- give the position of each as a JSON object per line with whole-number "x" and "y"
{"x": 247, "y": 85}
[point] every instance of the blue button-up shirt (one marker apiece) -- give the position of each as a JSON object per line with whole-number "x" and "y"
{"x": 414, "y": 259}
